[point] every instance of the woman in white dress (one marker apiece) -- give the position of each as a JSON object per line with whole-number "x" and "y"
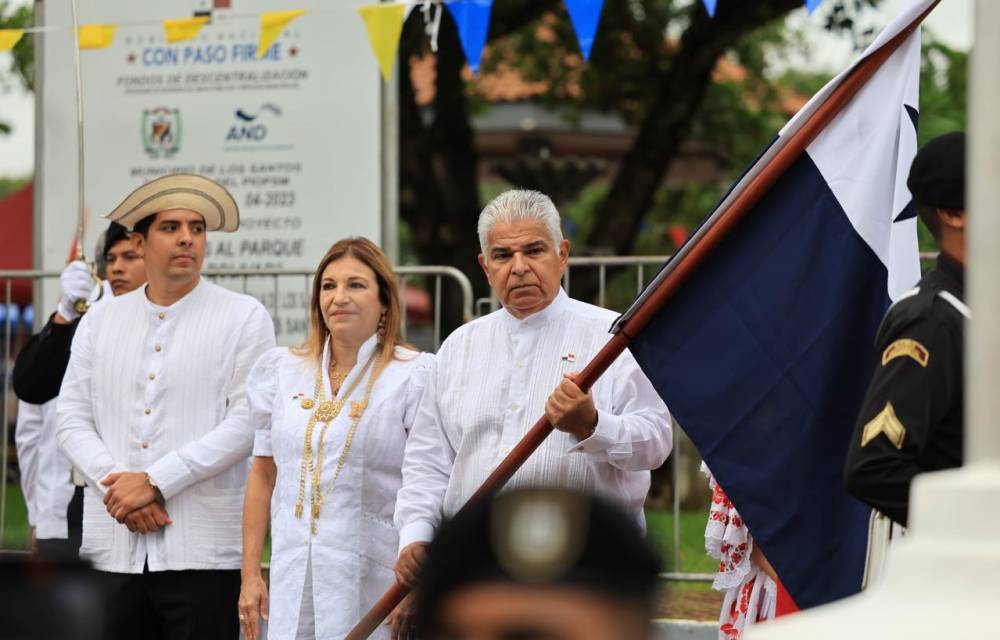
{"x": 332, "y": 419}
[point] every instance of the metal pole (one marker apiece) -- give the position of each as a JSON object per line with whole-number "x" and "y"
{"x": 676, "y": 468}
{"x": 437, "y": 312}
{"x": 402, "y": 296}
{"x": 38, "y": 187}
{"x": 602, "y": 283}
{"x": 277, "y": 307}
{"x": 982, "y": 439}
{"x": 390, "y": 165}
{"x": 6, "y": 416}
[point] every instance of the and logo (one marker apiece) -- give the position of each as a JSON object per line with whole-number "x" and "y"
{"x": 250, "y": 126}
{"x": 161, "y": 131}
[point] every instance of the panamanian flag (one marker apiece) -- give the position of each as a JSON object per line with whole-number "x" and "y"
{"x": 764, "y": 354}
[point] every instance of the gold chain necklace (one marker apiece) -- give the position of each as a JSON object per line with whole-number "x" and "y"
{"x": 336, "y": 379}
{"x": 326, "y": 411}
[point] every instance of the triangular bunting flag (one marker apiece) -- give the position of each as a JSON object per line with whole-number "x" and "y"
{"x": 96, "y": 36}
{"x": 10, "y": 37}
{"x": 585, "y": 14}
{"x": 710, "y": 6}
{"x": 473, "y": 20}
{"x": 811, "y": 5}
{"x": 184, "y": 28}
{"x": 272, "y": 23}
{"x": 385, "y": 24}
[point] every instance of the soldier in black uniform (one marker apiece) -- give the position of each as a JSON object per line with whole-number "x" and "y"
{"x": 41, "y": 363}
{"x": 911, "y": 420}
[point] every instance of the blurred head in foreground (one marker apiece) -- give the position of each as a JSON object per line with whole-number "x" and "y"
{"x": 539, "y": 564}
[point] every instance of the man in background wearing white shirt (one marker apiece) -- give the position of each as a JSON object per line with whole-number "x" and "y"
{"x": 495, "y": 376}
{"x": 55, "y": 505}
{"x": 152, "y": 412}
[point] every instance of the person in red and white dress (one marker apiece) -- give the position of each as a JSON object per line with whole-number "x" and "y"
{"x": 745, "y": 576}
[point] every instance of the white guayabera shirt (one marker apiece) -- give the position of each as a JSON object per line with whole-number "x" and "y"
{"x": 489, "y": 385}
{"x": 354, "y": 549}
{"x": 161, "y": 390}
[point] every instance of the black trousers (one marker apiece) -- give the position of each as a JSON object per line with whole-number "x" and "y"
{"x": 171, "y": 605}
{"x": 63, "y": 549}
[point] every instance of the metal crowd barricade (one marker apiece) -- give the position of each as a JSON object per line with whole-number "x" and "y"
{"x": 16, "y": 331}
{"x": 243, "y": 281}
{"x": 645, "y": 268}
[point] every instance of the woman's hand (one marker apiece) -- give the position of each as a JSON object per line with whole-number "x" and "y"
{"x": 252, "y": 605}
{"x": 404, "y": 619}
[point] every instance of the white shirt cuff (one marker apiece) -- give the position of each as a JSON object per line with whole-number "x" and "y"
{"x": 604, "y": 437}
{"x": 419, "y": 531}
{"x": 262, "y": 443}
{"x": 170, "y": 474}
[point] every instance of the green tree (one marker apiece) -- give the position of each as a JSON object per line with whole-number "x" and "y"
{"x": 660, "y": 85}
{"x": 23, "y": 54}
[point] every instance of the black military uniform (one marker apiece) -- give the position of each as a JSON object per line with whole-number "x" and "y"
{"x": 41, "y": 363}
{"x": 911, "y": 419}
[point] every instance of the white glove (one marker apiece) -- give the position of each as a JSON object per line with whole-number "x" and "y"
{"x": 75, "y": 283}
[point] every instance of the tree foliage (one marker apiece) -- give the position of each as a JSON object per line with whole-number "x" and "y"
{"x": 22, "y": 64}
{"x": 653, "y": 65}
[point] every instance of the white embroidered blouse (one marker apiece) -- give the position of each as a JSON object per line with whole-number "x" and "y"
{"x": 354, "y": 548}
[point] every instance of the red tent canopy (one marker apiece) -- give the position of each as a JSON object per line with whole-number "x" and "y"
{"x": 16, "y": 246}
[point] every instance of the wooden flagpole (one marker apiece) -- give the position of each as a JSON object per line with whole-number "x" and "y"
{"x": 738, "y": 208}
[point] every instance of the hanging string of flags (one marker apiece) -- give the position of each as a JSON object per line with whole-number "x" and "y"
{"x": 100, "y": 36}
{"x": 383, "y": 22}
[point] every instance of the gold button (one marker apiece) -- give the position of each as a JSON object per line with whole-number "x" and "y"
{"x": 152, "y": 376}
{"x": 148, "y": 411}
{"x": 161, "y": 315}
{"x": 158, "y": 348}
{"x": 145, "y": 445}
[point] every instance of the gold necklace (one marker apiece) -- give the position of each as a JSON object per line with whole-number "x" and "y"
{"x": 326, "y": 411}
{"x": 336, "y": 379}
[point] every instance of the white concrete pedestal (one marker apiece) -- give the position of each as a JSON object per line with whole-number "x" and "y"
{"x": 942, "y": 579}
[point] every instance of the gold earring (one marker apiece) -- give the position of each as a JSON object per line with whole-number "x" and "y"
{"x": 381, "y": 328}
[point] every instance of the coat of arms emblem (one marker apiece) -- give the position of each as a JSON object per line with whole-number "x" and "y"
{"x": 161, "y": 131}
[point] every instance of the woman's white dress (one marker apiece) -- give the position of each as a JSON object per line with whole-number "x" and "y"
{"x": 352, "y": 554}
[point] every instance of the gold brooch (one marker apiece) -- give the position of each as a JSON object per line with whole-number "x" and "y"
{"x": 325, "y": 412}
{"x": 307, "y": 403}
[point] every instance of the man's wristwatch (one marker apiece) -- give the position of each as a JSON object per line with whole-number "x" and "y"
{"x": 155, "y": 487}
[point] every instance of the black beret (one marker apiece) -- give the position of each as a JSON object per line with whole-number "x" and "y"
{"x": 937, "y": 175}
{"x": 115, "y": 234}
{"x": 540, "y": 537}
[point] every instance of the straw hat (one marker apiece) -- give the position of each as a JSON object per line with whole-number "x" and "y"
{"x": 180, "y": 191}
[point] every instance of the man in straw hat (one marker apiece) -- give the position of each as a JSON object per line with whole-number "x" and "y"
{"x": 152, "y": 412}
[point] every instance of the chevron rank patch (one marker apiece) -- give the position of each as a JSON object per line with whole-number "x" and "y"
{"x": 885, "y": 422}
{"x": 906, "y": 347}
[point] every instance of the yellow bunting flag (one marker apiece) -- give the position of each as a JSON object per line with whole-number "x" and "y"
{"x": 96, "y": 36}
{"x": 183, "y": 28}
{"x": 272, "y": 23}
{"x": 385, "y": 24}
{"x": 9, "y": 37}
